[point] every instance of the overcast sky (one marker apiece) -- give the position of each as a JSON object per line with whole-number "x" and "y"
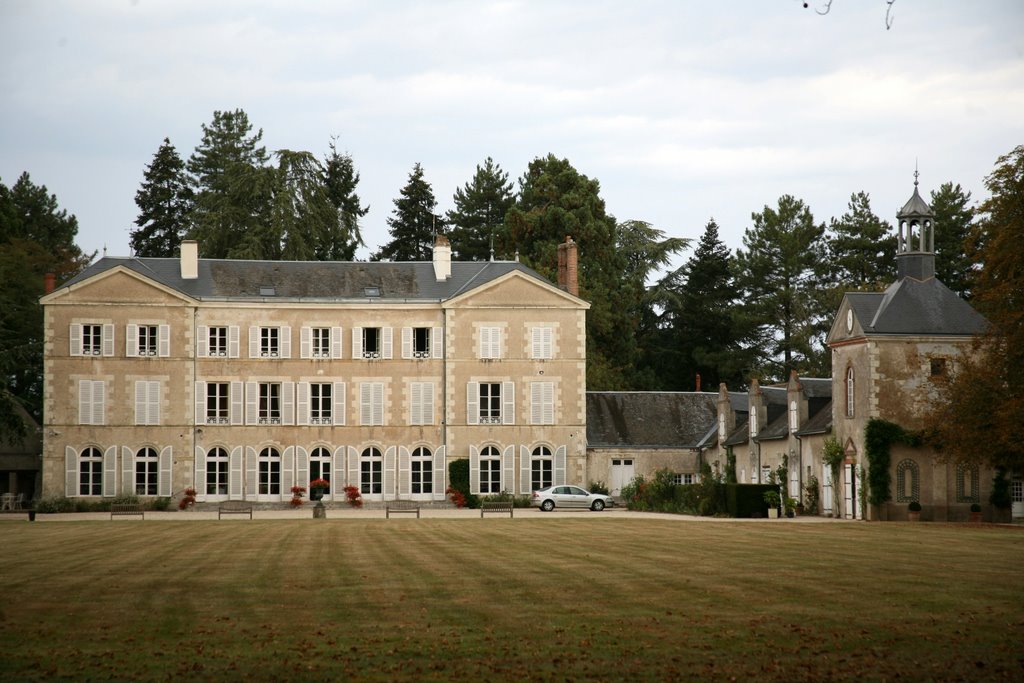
{"x": 682, "y": 110}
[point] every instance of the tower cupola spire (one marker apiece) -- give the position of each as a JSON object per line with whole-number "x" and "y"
{"x": 915, "y": 240}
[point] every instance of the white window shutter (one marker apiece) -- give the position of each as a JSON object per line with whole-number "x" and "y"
{"x": 110, "y": 472}
{"x": 388, "y": 482}
{"x": 357, "y": 342}
{"x": 365, "y": 403}
{"x": 378, "y": 403}
{"x": 288, "y": 470}
{"x": 525, "y": 470}
{"x": 508, "y": 465}
{"x": 233, "y": 342}
{"x": 84, "y": 401}
{"x": 131, "y": 341}
{"x": 202, "y": 341}
{"x": 288, "y": 403}
{"x": 427, "y": 404}
{"x": 237, "y": 400}
{"x": 535, "y": 343}
{"x": 251, "y": 469}
{"x": 302, "y": 403}
{"x": 339, "y": 398}
{"x": 235, "y": 473}
{"x": 404, "y": 472}
{"x": 301, "y": 467}
{"x": 485, "y": 342}
{"x": 75, "y": 336}
{"x": 336, "y": 342}
{"x": 549, "y": 403}
{"x": 306, "y": 342}
{"x": 99, "y": 397}
{"x": 127, "y": 471}
{"x": 200, "y": 402}
{"x": 70, "y": 472}
{"x": 141, "y": 394}
{"x": 437, "y": 342}
{"x": 285, "y": 333}
{"x": 386, "y": 346}
{"x": 254, "y": 342}
{"x": 154, "y": 402}
{"x": 440, "y": 470}
{"x": 495, "y": 351}
{"x": 338, "y": 477}
{"x": 164, "y": 341}
{"x": 536, "y": 401}
{"x": 407, "y": 342}
{"x": 508, "y": 403}
{"x": 474, "y": 470}
{"x": 472, "y": 403}
{"x": 559, "y": 466}
{"x": 163, "y": 482}
{"x": 353, "y": 469}
{"x": 199, "y": 482}
{"x": 108, "y": 339}
{"x": 415, "y": 403}
{"x": 547, "y": 342}
{"x": 252, "y": 407}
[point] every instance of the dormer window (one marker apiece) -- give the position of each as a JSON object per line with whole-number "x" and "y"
{"x": 268, "y": 290}
{"x": 371, "y": 292}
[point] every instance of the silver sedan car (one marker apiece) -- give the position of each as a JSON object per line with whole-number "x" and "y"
{"x": 550, "y": 497}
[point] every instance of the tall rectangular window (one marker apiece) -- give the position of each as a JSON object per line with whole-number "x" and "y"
{"x": 147, "y": 340}
{"x": 421, "y": 403}
{"x": 217, "y": 403}
{"x": 490, "y": 342}
{"x": 147, "y": 402}
{"x": 91, "y": 402}
{"x": 321, "y": 342}
{"x": 218, "y": 342}
{"x": 270, "y": 342}
{"x": 421, "y": 342}
{"x": 371, "y": 403}
{"x": 541, "y": 343}
{"x": 92, "y": 340}
{"x": 371, "y": 342}
{"x": 490, "y": 403}
{"x": 269, "y": 403}
{"x": 542, "y": 403}
{"x": 320, "y": 402}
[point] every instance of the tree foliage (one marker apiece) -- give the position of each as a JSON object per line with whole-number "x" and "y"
{"x": 165, "y": 204}
{"x": 861, "y": 248}
{"x": 480, "y": 208}
{"x": 979, "y": 415}
{"x": 36, "y": 237}
{"x": 413, "y": 222}
{"x": 341, "y": 179}
{"x": 781, "y": 272}
{"x": 954, "y": 217}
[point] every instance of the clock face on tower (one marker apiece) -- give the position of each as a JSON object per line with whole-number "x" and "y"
{"x": 849, "y": 320}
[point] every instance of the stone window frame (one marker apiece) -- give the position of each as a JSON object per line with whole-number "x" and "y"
{"x": 902, "y": 468}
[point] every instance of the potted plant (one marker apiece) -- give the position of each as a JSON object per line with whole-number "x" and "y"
{"x": 188, "y": 499}
{"x": 772, "y": 499}
{"x": 318, "y": 487}
{"x": 975, "y": 513}
{"x": 297, "y": 493}
{"x": 914, "y": 511}
{"x": 354, "y": 496}
{"x": 791, "y": 504}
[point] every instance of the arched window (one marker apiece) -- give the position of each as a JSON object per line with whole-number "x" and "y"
{"x": 319, "y": 465}
{"x": 967, "y": 483}
{"x": 422, "y": 470}
{"x": 490, "y": 470}
{"x": 849, "y": 391}
{"x": 90, "y": 472}
{"x": 217, "y": 472}
{"x": 908, "y": 482}
{"x": 146, "y": 472}
{"x": 270, "y": 472}
{"x": 540, "y": 468}
{"x": 371, "y": 466}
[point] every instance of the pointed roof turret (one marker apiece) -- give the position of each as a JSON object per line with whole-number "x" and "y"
{"x": 915, "y": 239}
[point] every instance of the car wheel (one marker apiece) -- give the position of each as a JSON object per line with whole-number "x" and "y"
{"x": 597, "y": 506}
{"x": 547, "y": 505}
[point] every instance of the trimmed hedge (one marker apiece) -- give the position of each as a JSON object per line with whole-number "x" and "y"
{"x": 458, "y": 479}
{"x": 747, "y": 500}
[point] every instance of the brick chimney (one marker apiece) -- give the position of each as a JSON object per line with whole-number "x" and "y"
{"x": 442, "y": 258}
{"x": 568, "y": 278}
{"x": 49, "y": 282}
{"x": 189, "y": 260}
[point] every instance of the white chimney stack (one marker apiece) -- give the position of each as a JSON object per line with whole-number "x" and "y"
{"x": 189, "y": 260}
{"x": 442, "y": 258}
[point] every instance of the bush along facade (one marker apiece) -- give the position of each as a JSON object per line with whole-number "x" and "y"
{"x": 879, "y": 436}
{"x": 660, "y": 493}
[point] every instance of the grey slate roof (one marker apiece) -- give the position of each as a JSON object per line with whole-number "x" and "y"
{"x": 912, "y": 306}
{"x": 820, "y": 422}
{"x": 916, "y": 205}
{"x": 649, "y": 419}
{"x": 313, "y": 280}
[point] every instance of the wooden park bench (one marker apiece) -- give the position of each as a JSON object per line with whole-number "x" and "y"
{"x": 500, "y": 507}
{"x": 397, "y": 506}
{"x": 127, "y": 510}
{"x": 234, "y": 507}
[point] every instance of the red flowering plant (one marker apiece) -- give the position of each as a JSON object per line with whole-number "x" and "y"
{"x": 320, "y": 484}
{"x": 297, "y": 493}
{"x": 188, "y": 499}
{"x": 456, "y": 497}
{"x": 353, "y": 496}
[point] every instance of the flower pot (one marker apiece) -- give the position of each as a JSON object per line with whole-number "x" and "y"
{"x": 317, "y": 493}
{"x": 975, "y": 518}
{"x": 773, "y": 513}
{"x": 913, "y": 516}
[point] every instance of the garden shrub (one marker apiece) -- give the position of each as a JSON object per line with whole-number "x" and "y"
{"x": 599, "y": 487}
{"x": 747, "y": 500}
{"x": 506, "y": 497}
{"x": 458, "y": 479}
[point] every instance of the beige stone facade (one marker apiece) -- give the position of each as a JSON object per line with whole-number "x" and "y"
{"x": 251, "y": 377}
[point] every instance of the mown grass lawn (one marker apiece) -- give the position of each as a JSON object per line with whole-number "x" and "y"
{"x": 526, "y": 599}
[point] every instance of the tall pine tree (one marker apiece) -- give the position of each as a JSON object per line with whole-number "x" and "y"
{"x": 954, "y": 217}
{"x": 782, "y": 272}
{"x": 413, "y": 222}
{"x": 861, "y": 248}
{"x": 346, "y": 236}
{"x": 479, "y": 212}
{"x": 165, "y": 203}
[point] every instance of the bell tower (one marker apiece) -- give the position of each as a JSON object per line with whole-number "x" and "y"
{"x": 915, "y": 241}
